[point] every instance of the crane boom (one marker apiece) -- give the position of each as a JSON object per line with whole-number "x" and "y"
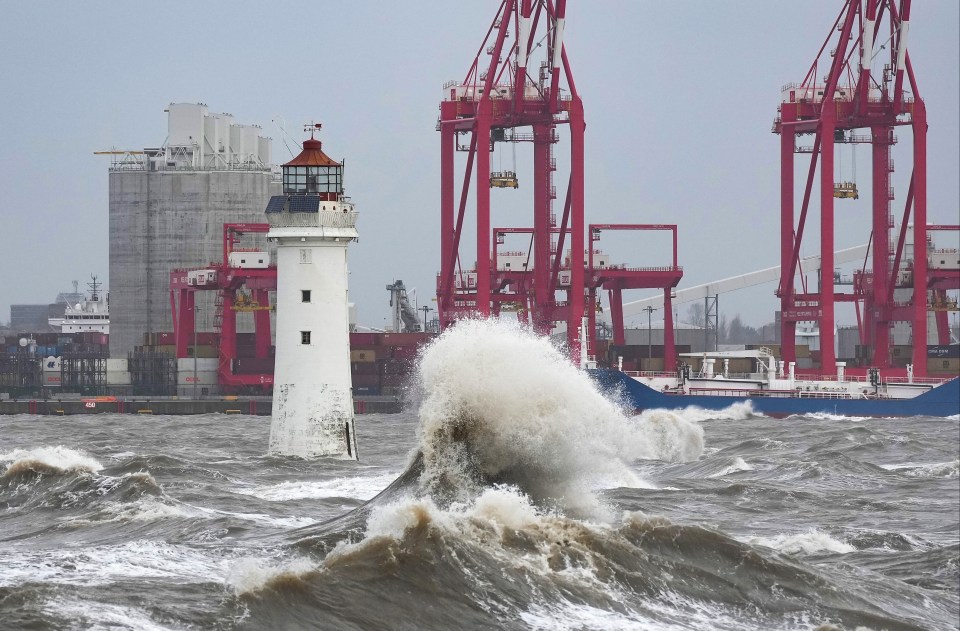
{"x": 750, "y": 279}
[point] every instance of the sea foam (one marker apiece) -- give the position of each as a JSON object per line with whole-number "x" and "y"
{"x": 360, "y": 487}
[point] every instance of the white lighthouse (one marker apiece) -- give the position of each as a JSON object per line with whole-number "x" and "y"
{"x": 312, "y": 224}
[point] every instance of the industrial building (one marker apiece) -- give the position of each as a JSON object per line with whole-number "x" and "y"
{"x": 29, "y": 317}
{"x": 167, "y": 209}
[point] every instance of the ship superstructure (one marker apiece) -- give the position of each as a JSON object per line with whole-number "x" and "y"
{"x": 91, "y": 315}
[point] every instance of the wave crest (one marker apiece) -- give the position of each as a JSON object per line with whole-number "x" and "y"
{"x": 671, "y": 436}
{"x": 57, "y": 460}
{"x": 502, "y": 406}
{"x": 811, "y": 542}
{"x": 249, "y": 576}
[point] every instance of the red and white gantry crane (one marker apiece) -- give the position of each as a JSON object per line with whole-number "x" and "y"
{"x": 861, "y": 79}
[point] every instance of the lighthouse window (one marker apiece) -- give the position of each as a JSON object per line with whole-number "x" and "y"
{"x": 306, "y": 255}
{"x": 304, "y": 337}
{"x": 305, "y": 295}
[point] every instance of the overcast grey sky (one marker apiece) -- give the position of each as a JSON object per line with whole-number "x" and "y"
{"x": 679, "y": 101}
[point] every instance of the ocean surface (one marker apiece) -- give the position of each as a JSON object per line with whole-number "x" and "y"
{"x": 511, "y": 495}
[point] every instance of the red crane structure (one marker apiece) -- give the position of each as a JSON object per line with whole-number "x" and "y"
{"x": 495, "y": 99}
{"x": 242, "y": 286}
{"x": 489, "y": 105}
{"x": 845, "y": 91}
{"x": 616, "y": 278}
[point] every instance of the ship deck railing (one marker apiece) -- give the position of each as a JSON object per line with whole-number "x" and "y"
{"x": 884, "y": 380}
{"x": 864, "y": 379}
{"x": 777, "y": 394}
{"x": 649, "y": 374}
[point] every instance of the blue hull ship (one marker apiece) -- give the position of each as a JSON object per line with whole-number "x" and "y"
{"x": 907, "y": 400}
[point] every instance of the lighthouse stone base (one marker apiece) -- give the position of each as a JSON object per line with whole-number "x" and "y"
{"x": 312, "y": 421}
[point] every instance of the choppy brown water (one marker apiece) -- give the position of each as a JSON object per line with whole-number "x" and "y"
{"x": 454, "y": 520}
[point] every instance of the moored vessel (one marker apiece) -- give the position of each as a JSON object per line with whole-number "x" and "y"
{"x": 90, "y": 315}
{"x": 774, "y": 389}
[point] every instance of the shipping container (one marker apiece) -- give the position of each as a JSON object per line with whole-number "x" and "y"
{"x": 944, "y": 366}
{"x": 201, "y": 378}
{"x": 626, "y": 352}
{"x": 201, "y": 390}
{"x": 943, "y": 350}
{"x": 253, "y": 366}
{"x": 364, "y": 368}
{"x": 652, "y": 364}
{"x": 51, "y": 379}
{"x": 360, "y": 381}
{"x": 365, "y": 339}
{"x": 204, "y": 364}
{"x": 92, "y": 337}
{"x": 203, "y": 351}
{"x": 365, "y": 355}
{"x": 406, "y": 339}
{"x": 408, "y": 353}
{"x": 396, "y": 367}
{"x": 393, "y": 380}
{"x": 118, "y": 378}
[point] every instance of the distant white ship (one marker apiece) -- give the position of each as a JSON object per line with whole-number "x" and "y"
{"x": 90, "y": 315}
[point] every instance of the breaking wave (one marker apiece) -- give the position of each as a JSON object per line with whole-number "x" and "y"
{"x": 735, "y": 412}
{"x": 57, "y": 460}
{"x": 935, "y": 470}
{"x": 811, "y": 542}
{"x": 528, "y": 567}
{"x": 250, "y": 576}
{"x": 502, "y": 406}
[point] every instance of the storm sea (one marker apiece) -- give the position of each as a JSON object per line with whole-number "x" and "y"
{"x": 509, "y": 495}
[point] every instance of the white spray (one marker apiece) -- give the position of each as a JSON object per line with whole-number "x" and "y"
{"x": 502, "y": 405}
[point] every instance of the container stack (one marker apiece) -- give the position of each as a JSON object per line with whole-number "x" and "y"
{"x": 197, "y": 377}
{"x": 383, "y": 363}
{"x": 640, "y": 357}
{"x": 207, "y": 344}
